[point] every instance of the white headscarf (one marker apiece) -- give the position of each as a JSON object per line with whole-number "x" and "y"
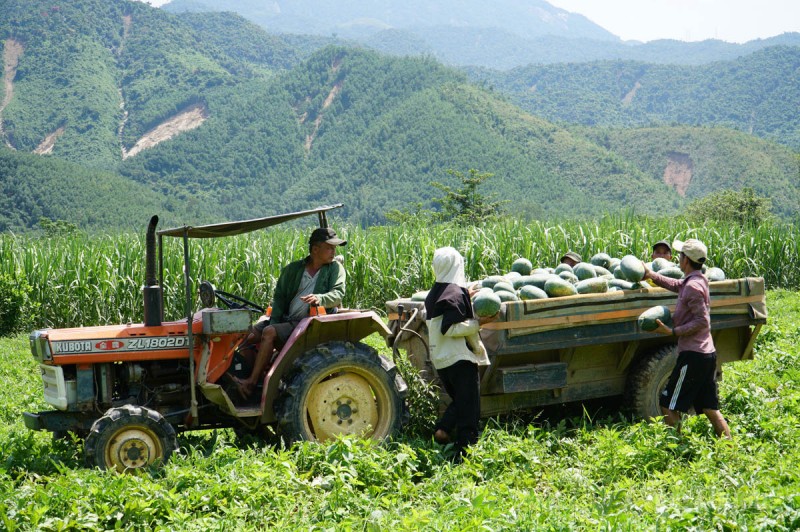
{"x": 448, "y": 266}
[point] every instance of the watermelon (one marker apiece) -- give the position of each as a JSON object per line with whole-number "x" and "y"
{"x": 601, "y": 259}
{"x": 632, "y": 268}
{"x": 486, "y": 304}
{"x": 584, "y": 270}
{"x": 484, "y": 291}
{"x": 506, "y": 296}
{"x": 503, "y": 286}
{"x": 592, "y": 286}
{"x": 557, "y": 287}
{"x": 568, "y": 276}
{"x": 715, "y": 274}
{"x": 419, "y": 296}
{"x": 510, "y": 276}
{"x": 622, "y": 284}
{"x": 661, "y": 264}
{"x": 563, "y": 267}
{"x": 647, "y": 319}
{"x": 531, "y": 292}
{"x": 612, "y": 264}
{"x": 674, "y": 273}
{"x": 618, "y": 273}
{"x": 540, "y": 271}
{"x": 600, "y": 271}
{"x": 539, "y": 279}
{"x": 522, "y": 280}
{"x": 522, "y": 266}
{"x": 492, "y": 280}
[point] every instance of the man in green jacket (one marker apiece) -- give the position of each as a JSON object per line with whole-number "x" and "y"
{"x": 317, "y": 280}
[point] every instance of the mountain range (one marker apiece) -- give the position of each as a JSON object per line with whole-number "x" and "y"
{"x": 500, "y": 35}
{"x": 111, "y": 110}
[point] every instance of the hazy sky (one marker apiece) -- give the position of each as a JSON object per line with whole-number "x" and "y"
{"x": 690, "y": 20}
{"x": 684, "y": 20}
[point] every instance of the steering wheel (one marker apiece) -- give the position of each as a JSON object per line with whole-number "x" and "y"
{"x": 208, "y": 294}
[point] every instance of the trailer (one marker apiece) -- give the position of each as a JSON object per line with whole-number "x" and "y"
{"x": 582, "y": 347}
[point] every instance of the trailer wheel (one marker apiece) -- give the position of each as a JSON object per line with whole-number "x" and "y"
{"x": 647, "y": 379}
{"x": 128, "y": 438}
{"x": 341, "y": 388}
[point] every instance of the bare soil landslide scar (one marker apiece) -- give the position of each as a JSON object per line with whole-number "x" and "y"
{"x": 581, "y": 347}
{"x": 128, "y": 389}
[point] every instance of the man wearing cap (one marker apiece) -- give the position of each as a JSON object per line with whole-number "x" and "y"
{"x": 317, "y": 280}
{"x": 661, "y": 250}
{"x": 692, "y": 381}
{"x": 571, "y": 258}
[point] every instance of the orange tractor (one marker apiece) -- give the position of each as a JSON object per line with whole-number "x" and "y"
{"x": 128, "y": 389}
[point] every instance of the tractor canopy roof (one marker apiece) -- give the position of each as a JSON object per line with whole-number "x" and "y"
{"x": 245, "y": 226}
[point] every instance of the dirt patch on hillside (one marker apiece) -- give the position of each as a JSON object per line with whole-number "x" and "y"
{"x": 190, "y": 118}
{"x": 679, "y": 171}
{"x": 126, "y": 30}
{"x": 12, "y": 50}
{"x": 318, "y": 121}
{"x": 49, "y": 142}
{"x": 631, "y": 94}
{"x": 126, "y": 25}
{"x": 332, "y": 95}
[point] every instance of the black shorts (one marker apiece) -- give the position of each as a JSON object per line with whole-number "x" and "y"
{"x": 692, "y": 383}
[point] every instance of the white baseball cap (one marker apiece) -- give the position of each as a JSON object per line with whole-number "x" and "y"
{"x": 692, "y": 248}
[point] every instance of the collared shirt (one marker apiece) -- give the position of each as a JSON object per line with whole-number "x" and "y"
{"x": 692, "y": 316}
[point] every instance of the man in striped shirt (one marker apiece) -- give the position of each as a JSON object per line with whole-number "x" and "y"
{"x": 692, "y": 383}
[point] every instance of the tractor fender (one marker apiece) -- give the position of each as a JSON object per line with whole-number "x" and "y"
{"x": 350, "y": 326}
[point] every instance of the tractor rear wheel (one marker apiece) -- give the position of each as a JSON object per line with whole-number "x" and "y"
{"x": 128, "y": 438}
{"x": 647, "y": 379}
{"x": 341, "y": 388}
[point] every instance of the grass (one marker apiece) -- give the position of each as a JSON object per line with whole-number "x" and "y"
{"x": 560, "y": 469}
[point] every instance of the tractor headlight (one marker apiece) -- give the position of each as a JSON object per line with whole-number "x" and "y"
{"x": 40, "y": 346}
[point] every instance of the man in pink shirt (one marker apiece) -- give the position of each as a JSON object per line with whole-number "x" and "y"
{"x": 692, "y": 381}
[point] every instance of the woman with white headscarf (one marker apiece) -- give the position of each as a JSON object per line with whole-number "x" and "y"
{"x": 456, "y": 349}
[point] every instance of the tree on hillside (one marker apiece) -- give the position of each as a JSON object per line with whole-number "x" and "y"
{"x": 466, "y": 204}
{"x": 740, "y": 206}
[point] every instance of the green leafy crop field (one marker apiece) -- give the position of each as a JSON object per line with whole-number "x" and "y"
{"x": 82, "y": 280}
{"x": 564, "y": 468}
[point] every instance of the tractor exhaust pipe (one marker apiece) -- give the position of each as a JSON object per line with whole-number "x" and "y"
{"x": 151, "y": 292}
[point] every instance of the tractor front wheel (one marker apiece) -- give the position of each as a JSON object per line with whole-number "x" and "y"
{"x": 341, "y": 388}
{"x": 128, "y": 438}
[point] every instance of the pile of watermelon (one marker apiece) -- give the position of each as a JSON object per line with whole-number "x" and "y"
{"x": 601, "y": 274}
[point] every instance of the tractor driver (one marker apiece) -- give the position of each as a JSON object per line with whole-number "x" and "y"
{"x": 317, "y": 280}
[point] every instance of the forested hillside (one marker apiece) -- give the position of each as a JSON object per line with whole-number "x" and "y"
{"x": 96, "y": 75}
{"x": 32, "y": 187}
{"x": 697, "y": 161}
{"x": 208, "y": 117}
{"x": 758, "y": 94}
{"x": 374, "y": 132}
